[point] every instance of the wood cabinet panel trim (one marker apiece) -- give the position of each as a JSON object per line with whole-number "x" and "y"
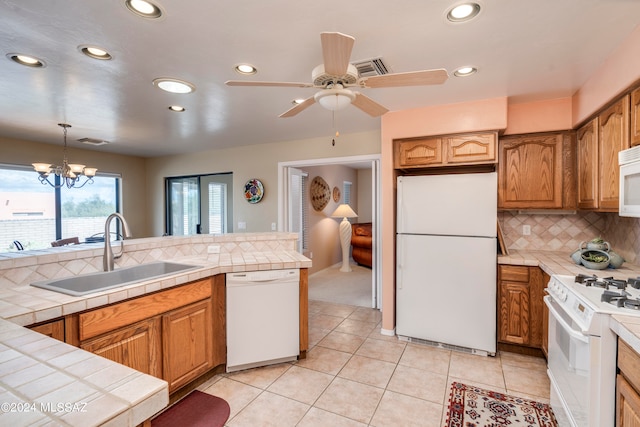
{"x": 102, "y": 320}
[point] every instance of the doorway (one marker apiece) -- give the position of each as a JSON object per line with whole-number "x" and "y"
{"x": 285, "y": 205}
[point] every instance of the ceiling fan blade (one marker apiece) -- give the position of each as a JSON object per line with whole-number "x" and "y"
{"x": 336, "y": 52}
{"x": 368, "y": 105}
{"x": 414, "y": 78}
{"x": 267, "y": 84}
{"x": 299, "y": 107}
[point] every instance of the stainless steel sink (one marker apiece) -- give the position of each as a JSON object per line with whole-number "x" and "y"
{"x": 96, "y": 282}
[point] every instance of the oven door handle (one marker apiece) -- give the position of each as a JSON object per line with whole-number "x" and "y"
{"x": 572, "y": 332}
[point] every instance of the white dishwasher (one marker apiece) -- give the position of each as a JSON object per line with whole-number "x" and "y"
{"x": 263, "y": 320}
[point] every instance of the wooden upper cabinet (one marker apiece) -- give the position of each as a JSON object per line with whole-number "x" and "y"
{"x": 613, "y": 136}
{"x": 587, "y": 153}
{"x": 466, "y": 149}
{"x": 536, "y": 171}
{"x": 635, "y": 117}
{"x": 418, "y": 153}
{"x": 451, "y": 150}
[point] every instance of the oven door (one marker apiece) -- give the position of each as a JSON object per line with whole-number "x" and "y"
{"x": 569, "y": 367}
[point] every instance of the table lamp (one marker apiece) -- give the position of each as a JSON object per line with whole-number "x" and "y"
{"x": 344, "y": 211}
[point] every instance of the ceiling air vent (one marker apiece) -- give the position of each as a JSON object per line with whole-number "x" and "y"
{"x": 93, "y": 141}
{"x": 371, "y": 67}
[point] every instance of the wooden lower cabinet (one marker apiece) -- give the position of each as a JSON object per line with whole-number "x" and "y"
{"x": 53, "y": 329}
{"x": 627, "y": 386}
{"x": 520, "y": 305}
{"x": 187, "y": 351}
{"x": 136, "y": 346}
{"x": 177, "y": 334}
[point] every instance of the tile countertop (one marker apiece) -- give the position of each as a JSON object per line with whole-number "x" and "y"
{"x": 626, "y": 327}
{"x": 46, "y": 382}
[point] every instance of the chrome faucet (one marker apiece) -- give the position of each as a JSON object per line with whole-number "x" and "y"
{"x": 108, "y": 258}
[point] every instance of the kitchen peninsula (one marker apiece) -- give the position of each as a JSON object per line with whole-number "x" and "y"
{"x": 43, "y": 379}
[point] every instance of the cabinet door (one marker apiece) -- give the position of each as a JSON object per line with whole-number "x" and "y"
{"x": 635, "y": 117}
{"x": 514, "y": 316}
{"x": 588, "y": 155}
{"x": 470, "y": 149}
{"x": 136, "y": 346}
{"x": 530, "y": 172}
{"x": 53, "y": 329}
{"x": 627, "y": 404}
{"x": 613, "y": 136}
{"x": 187, "y": 336}
{"x": 418, "y": 153}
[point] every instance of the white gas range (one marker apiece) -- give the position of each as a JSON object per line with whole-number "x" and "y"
{"x": 582, "y": 347}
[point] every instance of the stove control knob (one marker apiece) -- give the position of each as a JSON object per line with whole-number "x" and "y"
{"x": 563, "y": 295}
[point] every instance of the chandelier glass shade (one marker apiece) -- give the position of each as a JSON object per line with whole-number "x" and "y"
{"x": 69, "y": 174}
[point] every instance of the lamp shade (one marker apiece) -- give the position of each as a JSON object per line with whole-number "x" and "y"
{"x": 344, "y": 211}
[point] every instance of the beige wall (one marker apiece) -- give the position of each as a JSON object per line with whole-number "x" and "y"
{"x": 324, "y": 238}
{"x": 132, "y": 169}
{"x": 252, "y": 161}
{"x": 365, "y": 192}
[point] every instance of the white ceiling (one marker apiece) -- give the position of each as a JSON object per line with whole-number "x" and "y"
{"x": 526, "y": 50}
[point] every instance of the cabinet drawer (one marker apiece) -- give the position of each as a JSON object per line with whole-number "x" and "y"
{"x": 102, "y": 320}
{"x": 629, "y": 363}
{"x": 514, "y": 273}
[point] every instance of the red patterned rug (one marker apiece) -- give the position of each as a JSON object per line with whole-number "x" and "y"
{"x": 471, "y": 406}
{"x": 197, "y": 409}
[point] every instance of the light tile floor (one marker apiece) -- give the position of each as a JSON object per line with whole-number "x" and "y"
{"x": 354, "y": 376}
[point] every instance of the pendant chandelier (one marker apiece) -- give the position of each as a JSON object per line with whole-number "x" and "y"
{"x": 69, "y": 173}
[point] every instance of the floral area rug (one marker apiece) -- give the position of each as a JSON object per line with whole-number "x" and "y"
{"x": 471, "y": 406}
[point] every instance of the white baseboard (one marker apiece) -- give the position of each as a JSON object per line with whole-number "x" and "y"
{"x": 388, "y": 332}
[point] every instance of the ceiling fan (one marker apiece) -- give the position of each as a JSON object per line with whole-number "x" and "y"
{"x": 336, "y": 75}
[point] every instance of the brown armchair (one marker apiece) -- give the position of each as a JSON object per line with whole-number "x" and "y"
{"x": 361, "y": 242}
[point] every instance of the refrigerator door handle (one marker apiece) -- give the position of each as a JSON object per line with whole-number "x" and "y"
{"x": 399, "y": 259}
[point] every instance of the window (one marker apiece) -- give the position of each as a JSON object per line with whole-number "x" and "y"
{"x": 346, "y": 192}
{"x": 217, "y": 208}
{"x": 34, "y": 215}
{"x": 199, "y": 204}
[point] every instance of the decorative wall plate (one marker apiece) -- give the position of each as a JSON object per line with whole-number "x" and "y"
{"x": 253, "y": 191}
{"x": 336, "y": 194}
{"x": 320, "y": 193}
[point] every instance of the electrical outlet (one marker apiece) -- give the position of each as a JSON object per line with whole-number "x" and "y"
{"x": 213, "y": 249}
{"x": 526, "y": 230}
{"x": 273, "y": 226}
{"x": 242, "y": 225}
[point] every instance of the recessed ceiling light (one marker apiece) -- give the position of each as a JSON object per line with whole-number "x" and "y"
{"x": 465, "y": 71}
{"x": 246, "y": 69}
{"x": 174, "y": 85}
{"x": 463, "y": 12}
{"x": 95, "y": 52}
{"x": 144, "y": 8}
{"x": 177, "y": 108}
{"x": 27, "y": 60}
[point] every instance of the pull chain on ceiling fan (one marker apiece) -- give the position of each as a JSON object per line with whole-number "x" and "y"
{"x": 336, "y": 75}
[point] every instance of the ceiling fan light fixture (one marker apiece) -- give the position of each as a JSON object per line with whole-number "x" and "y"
{"x": 465, "y": 71}
{"x": 144, "y": 8}
{"x": 174, "y": 85}
{"x": 335, "y": 99}
{"x": 95, "y": 52}
{"x": 26, "y": 60}
{"x": 463, "y": 12}
{"x": 245, "y": 69}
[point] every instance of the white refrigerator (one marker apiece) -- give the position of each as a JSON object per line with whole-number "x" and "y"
{"x": 446, "y": 255}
